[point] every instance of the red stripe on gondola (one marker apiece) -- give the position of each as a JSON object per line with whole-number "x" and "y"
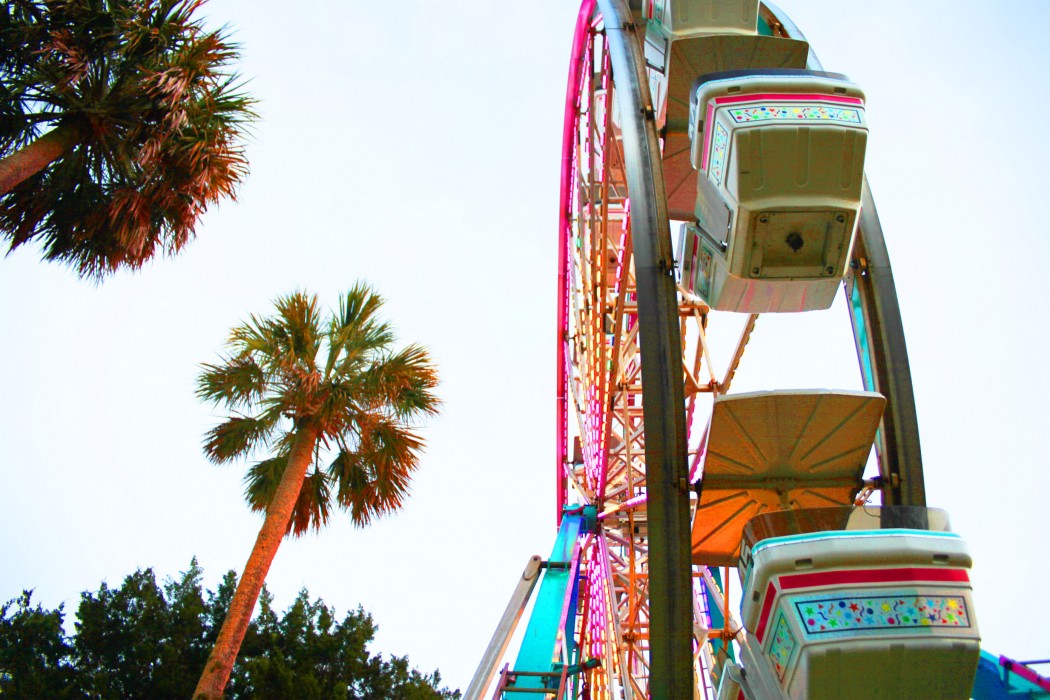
{"x": 752, "y": 97}
{"x": 835, "y": 578}
{"x": 787, "y": 97}
{"x": 767, "y": 606}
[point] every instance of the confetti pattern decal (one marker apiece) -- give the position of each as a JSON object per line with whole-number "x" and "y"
{"x": 862, "y": 613}
{"x": 718, "y": 152}
{"x": 761, "y": 113}
{"x": 782, "y": 646}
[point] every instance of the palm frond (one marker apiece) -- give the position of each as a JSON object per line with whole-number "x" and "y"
{"x": 352, "y": 474}
{"x": 262, "y": 480}
{"x": 404, "y": 382}
{"x": 337, "y": 409}
{"x": 355, "y": 332}
{"x": 298, "y": 331}
{"x": 254, "y": 338}
{"x": 312, "y": 508}
{"x": 373, "y": 479}
{"x": 238, "y": 382}
{"x": 237, "y": 437}
{"x": 395, "y": 451}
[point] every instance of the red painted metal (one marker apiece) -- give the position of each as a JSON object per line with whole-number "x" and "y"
{"x": 767, "y": 606}
{"x": 850, "y": 576}
{"x": 572, "y": 100}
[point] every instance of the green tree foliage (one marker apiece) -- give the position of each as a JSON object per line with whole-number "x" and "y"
{"x": 310, "y": 655}
{"x": 149, "y": 641}
{"x": 35, "y": 656}
{"x": 142, "y": 640}
{"x": 120, "y": 123}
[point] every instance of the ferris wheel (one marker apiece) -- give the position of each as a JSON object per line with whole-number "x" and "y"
{"x": 712, "y": 173}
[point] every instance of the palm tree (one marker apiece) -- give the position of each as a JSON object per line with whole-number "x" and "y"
{"x": 119, "y": 125}
{"x": 308, "y": 389}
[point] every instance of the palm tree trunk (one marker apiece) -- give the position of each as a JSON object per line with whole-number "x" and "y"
{"x": 31, "y": 159}
{"x": 279, "y": 513}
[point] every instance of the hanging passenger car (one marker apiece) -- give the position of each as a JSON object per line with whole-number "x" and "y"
{"x": 780, "y": 156}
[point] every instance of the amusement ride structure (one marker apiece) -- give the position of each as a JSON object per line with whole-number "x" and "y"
{"x": 713, "y": 123}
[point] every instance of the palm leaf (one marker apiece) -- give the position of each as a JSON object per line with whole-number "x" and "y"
{"x": 262, "y": 480}
{"x": 236, "y": 437}
{"x": 355, "y": 332}
{"x": 236, "y": 383}
{"x": 373, "y": 479}
{"x": 159, "y": 115}
{"x": 311, "y": 507}
{"x": 404, "y": 382}
{"x": 298, "y": 331}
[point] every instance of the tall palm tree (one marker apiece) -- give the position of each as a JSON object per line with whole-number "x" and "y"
{"x": 335, "y": 406}
{"x": 119, "y": 124}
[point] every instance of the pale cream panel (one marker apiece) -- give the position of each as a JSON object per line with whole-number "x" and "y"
{"x": 685, "y": 18}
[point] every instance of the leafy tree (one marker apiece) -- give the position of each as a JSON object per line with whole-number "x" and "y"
{"x": 186, "y": 647}
{"x": 129, "y": 640}
{"x": 35, "y": 659}
{"x": 307, "y": 388}
{"x": 309, "y": 656}
{"x": 119, "y": 124}
{"x": 144, "y": 641}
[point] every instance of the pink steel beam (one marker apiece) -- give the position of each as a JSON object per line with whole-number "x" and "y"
{"x": 1018, "y": 668}
{"x": 572, "y": 101}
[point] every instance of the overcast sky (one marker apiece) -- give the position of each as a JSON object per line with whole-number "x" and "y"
{"x": 416, "y": 145}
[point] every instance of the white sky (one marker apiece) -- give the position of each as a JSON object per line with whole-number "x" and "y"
{"x": 417, "y": 146}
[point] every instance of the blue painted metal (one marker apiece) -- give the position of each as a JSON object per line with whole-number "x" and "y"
{"x": 763, "y": 27}
{"x": 860, "y": 331}
{"x": 993, "y": 682}
{"x": 589, "y": 526}
{"x": 718, "y": 620}
{"x": 558, "y": 592}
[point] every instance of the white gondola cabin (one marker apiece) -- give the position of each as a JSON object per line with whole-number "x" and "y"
{"x": 780, "y": 156}
{"x": 835, "y": 598}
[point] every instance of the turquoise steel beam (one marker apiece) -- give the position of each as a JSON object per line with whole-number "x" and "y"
{"x": 539, "y": 647}
{"x": 718, "y": 619}
{"x": 999, "y": 678}
{"x": 504, "y": 630}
